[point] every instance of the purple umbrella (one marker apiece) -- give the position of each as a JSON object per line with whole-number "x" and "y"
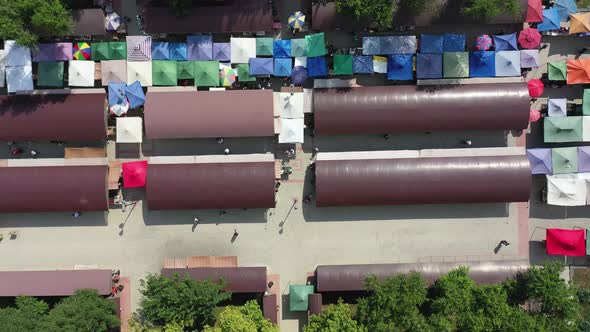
{"x": 299, "y": 75}
{"x": 541, "y": 161}
{"x": 221, "y": 51}
{"x": 53, "y": 52}
{"x": 583, "y": 159}
{"x": 529, "y": 58}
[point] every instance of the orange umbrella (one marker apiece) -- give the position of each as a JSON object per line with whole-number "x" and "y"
{"x": 578, "y": 71}
{"x": 579, "y": 23}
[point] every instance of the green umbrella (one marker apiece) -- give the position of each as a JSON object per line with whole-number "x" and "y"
{"x": 185, "y": 70}
{"x": 264, "y": 46}
{"x": 563, "y": 129}
{"x": 244, "y": 73}
{"x": 118, "y": 50}
{"x": 455, "y": 64}
{"x": 50, "y": 74}
{"x": 207, "y": 73}
{"x": 298, "y": 47}
{"x": 100, "y": 51}
{"x": 316, "y": 46}
{"x": 298, "y": 297}
{"x": 586, "y": 102}
{"x": 342, "y": 64}
{"x": 163, "y": 72}
{"x": 565, "y": 160}
{"x": 557, "y": 71}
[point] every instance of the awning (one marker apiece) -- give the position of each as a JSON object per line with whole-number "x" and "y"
{"x": 139, "y": 71}
{"x": 431, "y": 43}
{"x": 507, "y": 63}
{"x": 20, "y": 78}
{"x": 400, "y": 67}
{"x": 54, "y": 282}
{"x": 53, "y": 52}
{"x": 264, "y": 47}
{"x": 562, "y": 129}
{"x": 541, "y": 161}
{"x": 113, "y": 71}
{"x": 50, "y": 74}
{"x": 456, "y": 64}
{"x": 139, "y": 48}
{"x": 160, "y": 51}
{"x": 81, "y": 73}
{"x": 566, "y": 242}
{"x": 578, "y": 71}
{"x": 482, "y": 64}
{"x": 429, "y": 65}
{"x": 164, "y": 72}
{"x": 242, "y": 49}
{"x": 557, "y": 71}
{"x": 282, "y": 48}
{"x": 453, "y": 42}
{"x": 564, "y": 160}
{"x": 298, "y": 297}
{"x": 557, "y": 107}
{"x": 200, "y": 47}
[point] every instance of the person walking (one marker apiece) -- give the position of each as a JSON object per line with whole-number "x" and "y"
{"x": 504, "y": 243}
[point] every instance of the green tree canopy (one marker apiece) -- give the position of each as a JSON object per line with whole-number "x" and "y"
{"x": 25, "y": 20}
{"x": 335, "y": 318}
{"x": 486, "y": 9}
{"x": 246, "y": 318}
{"x": 379, "y": 11}
{"x": 25, "y": 316}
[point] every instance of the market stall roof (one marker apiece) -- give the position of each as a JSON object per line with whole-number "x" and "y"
{"x": 235, "y": 113}
{"x": 139, "y": 71}
{"x": 178, "y": 51}
{"x": 482, "y": 64}
{"x": 298, "y": 47}
{"x": 566, "y": 190}
{"x": 185, "y": 70}
{"x": 429, "y": 65}
{"x": 541, "y": 161}
{"x": 317, "y": 67}
{"x": 242, "y": 49}
{"x": 507, "y": 63}
{"x": 431, "y": 43}
{"x": 316, "y": 45}
{"x": 398, "y": 44}
{"x": 53, "y": 52}
{"x": 54, "y": 282}
{"x": 129, "y": 130}
{"x": 564, "y": 160}
{"x": 281, "y": 48}
{"x": 66, "y": 117}
{"x": 455, "y": 64}
{"x": 283, "y": 67}
{"x": 565, "y": 8}
{"x": 562, "y": 129}
{"x": 342, "y": 64}
{"x": 578, "y": 71}
{"x": 81, "y": 73}
{"x": 579, "y": 23}
{"x": 453, "y": 42}
{"x": 583, "y": 159}
{"x": 46, "y": 185}
{"x": 15, "y": 55}
{"x": 88, "y": 22}
{"x": 550, "y": 20}
{"x": 211, "y": 182}
{"x": 134, "y": 173}
{"x": 261, "y": 66}
{"x": 362, "y": 64}
{"x": 207, "y": 73}
{"x": 371, "y": 45}
{"x": 291, "y": 131}
{"x": 298, "y": 297}
{"x": 164, "y": 72}
{"x": 264, "y": 46}
{"x": 534, "y": 11}
{"x": 529, "y": 59}
{"x": 139, "y": 48}
{"x": 200, "y": 48}
{"x": 566, "y": 242}
{"x": 222, "y": 52}
{"x": 505, "y": 42}
{"x": 237, "y": 279}
{"x": 113, "y": 71}
{"x": 160, "y": 51}
{"x": 400, "y": 67}
{"x": 557, "y": 71}
{"x": 50, "y": 74}
{"x": 557, "y": 107}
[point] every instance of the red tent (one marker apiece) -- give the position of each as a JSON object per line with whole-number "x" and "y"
{"x": 566, "y": 242}
{"x": 134, "y": 174}
{"x": 534, "y": 11}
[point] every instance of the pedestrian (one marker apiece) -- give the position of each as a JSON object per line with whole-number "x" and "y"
{"x": 236, "y": 233}
{"x": 307, "y": 199}
{"x": 504, "y": 243}
{"x": 386, "y": 136}
{"x": 219, "y": 140}
{"x": 16, "y": 151}
{"x": 467, "y": 142}
{"x": 76, "y": 214}
{"x": 196, "y": 220}
{"x": 222, "y": 213}
{"x": 34, "y": 153}
{"x": 226, "y": 151}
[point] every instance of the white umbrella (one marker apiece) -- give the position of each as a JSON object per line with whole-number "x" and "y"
{"x": 16, "y": 55}
{"x": 129, "y": 130}
{"x": 19, "y": 78}
{"x": 291, "y": 131}
{"x": 112, "y": 21}
{"x": 139, "y": 71}
{"x": 81, "y": 73}
{"x": 120, "y": 109}
{"x": 242, "y": 49}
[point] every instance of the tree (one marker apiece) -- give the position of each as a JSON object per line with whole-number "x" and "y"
{"x": 246, "y": 318}
{"x": 25, "y": 316}
{"x": 26, "y": 20}
{"x": 486, "y": 9}
{"x": 85, "y": 311}
{"x": 179, "y": 300}
{"x": 180, "y": 7}
{"x": 379, "y": 11}
{"x": 335, "y": 318}
{"x": 414, "y": 6}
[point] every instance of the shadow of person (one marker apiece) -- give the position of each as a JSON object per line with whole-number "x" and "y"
{"x": 498, "y": 247}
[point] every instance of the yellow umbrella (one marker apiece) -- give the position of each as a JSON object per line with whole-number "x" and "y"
{"x": 297, "y": 20}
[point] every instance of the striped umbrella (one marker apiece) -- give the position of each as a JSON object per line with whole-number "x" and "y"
{"x": 139, "y": 48}
{"x": 483, "y": 42}
{"x": 81, "y": 51}
{"x": 297, "y": 20}
{"x": 227, "y": 76}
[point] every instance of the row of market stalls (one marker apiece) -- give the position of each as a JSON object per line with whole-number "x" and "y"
{"x": 566, "y": 129}
{"x": 559, "y": 160}
{"x": 572, "y": 71}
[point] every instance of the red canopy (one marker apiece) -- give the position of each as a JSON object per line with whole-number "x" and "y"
{"x": 536, "y": 87}
{"x": 566, "y": 242}
{"x": 534, "y": 116}
{"x": 534, "y": 11}
{"x": 529, "y": 38}
{"x": 134, "y": 174}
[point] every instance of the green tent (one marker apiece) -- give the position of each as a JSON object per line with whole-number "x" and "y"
{"x": 244, "y": 73}
{"x": 565, "y": 160}
{"x": 298, "y": 297}
{"x": 185, "y": 70}
{"x": 342, "y": 64}
{"x": 298, "y": 47}
{"x": 586, "y": 102}
{"x": 100, "y": 51}
{"x": 455, "y": 64}
{"x": 50, "y": 74}
{"x": 164, "y": 72}
{"x": 557, "y": 71}
{"x": 264, "y": 46}
{"x": 563, "y": 129}
{"x": 316, "y": 46}
{"x": 118, "y": 50}
{"x": 207, "y": 73}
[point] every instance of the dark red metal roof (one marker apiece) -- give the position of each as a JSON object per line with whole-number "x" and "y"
{"x": 237, "y": 279}
{"x": 315, "y": 304}
{"x": 270, "y": 308}
{"x": 331, "y": 278}
{"x": 65, "y": 117}
{"x": 386, "y": 109}
{"x": 53, "y": 283}
{"x": 53, "y": 188}
{"x": 239, "y": 113}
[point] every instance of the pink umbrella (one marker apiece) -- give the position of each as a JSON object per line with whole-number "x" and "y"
{"x": 483, "y": 42}
{"x": 534, "y": 115}
{"x": 529, "y": 38}
{"x": 536, "y": 88}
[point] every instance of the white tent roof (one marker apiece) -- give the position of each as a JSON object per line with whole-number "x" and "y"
{"x": 139, "y": 71}
{"x": 19, "y": 78}
{"x": 586, "y": 128}
{"x": 557, "y": 107}
{"x": 113, "y": 71}
{"x": 289, "y": 106}
{"x": 291, "y": 131}
{"x": 17, "y": 55}
{"x": 129, "y": 130}
{"x": 2, "y": 68}
{"x": 242, "y": 49}
{"x": 566, "y": 190}
{"x": 380, "y": 64}
{"x": 301, "y": 61}
{"x": 81, "y": 73}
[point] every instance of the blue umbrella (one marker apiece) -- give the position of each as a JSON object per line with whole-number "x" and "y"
{"x": 482, "y": 64}
{"x": 221, "y": 51}
{"x": 200, "y": 48}
{"x": 116, "y": 93}
{"x": 283, "y": 67}
{"x": 431, "y": 43}
{"x": 506, "y": 42}
{"x": 400, "y": 67}
{"x": 371, "y": 46}
{"x": 299, "y": 75}
{"x": 550, "y": 20}
{"x": 135, "y": 94}
{"x": 453, "y": 42}
{"x": 281, "y": 48}
{"x": 160, "y": 51}
{"x": 565, "y": 8}
{"x": 316, "y": 66}
{"x": 362, "y": 64}
{"x": 178, "y": 51}
{"x": 429, "y": 65}
{"x": 261, "y": 66}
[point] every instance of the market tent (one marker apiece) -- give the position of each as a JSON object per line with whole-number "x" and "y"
{"x": 482, "y": 64}
{"x": 505, "y": 42}
{"x": 579, "y": 23}
{"x": 529, "y": 58}
{"x": 507, "y": 63}
{"x": 281, "y": 48}
{"x": 431, "y": 43}
{"x": 129, "y": 130}
{"x": 16, "y": 55}
{"x": 134, "y": 173}
{"x": 453, "y": 42}
{"x": 135, "y": 95}
{"x": 242, "y": 49}
{"x": 289, "y": 105}
{"x": 535, "y": 87}
{"x": 200, "y": 47}
{"x": 244, "y": 73}
{"x": 557, "y": 71}
{"x": 578, "y": 71}
{"x": 400, "y": 67}
{"x": 160, "y": 51}
{"x": 586, "y": 102}
{"x": 113, "y": 71}
{"x": 139, "y": 48}
{"x": 565, "y": 160}
{"x": 81, "y": 73}
{"x": 455, "y": 64}
{"x": 261, "y": 66}
{"x": 50, "y": 74}
{"x": 342, "y": 64}
{"x": 298, "y": 297}
{"x": 299, "y": 75}
{"x": 185, "y": 70}
{"x": 207, "y": 73}
{"x": 139, "y": 71}
{"x": 100, "y": 51}
{"x": 316, "y": 46}
{"x": 550, "y": 20}
{"x": 222, "y": 51}
{"x": 566, "y": 242}
{"x": 291, "y": 131}
{"x": 178, "y": 51}
{"x": 117, "y": 50}
{"x": 534, "y": 11}
{"x": 282, "y": 67}
{"x": 264, "y": 47}
{"x": 529, "y": 38}
{"x": 380, "y": 64}
{"x": 583, "y": 159}
{"x": 565, "y": 8}
{"x": 586, "y": 128}
{"x": 562, "y": 129}
{"x": 316, "y": 66}
{"x": 371, "y": 45}
{"x": 298, "y": 47}
{"x": 19, "y": 78}
{"x": 362, "y": 64}
{"x": 301, "y": 61}
{"x": 116, "y": 93}
{"x": 398, "y": 45}
{"x": 541, "y": 161}
{"x": 557, "y": 107}
{"x": 164, "y": 72}
{"x": 429, "y": 65}
{"x": 565, "y": 191}
{"x": 53, "y": 52}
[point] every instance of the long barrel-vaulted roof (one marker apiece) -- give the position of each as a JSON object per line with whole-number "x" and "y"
{"x": 236, "y": 279}
{"x": 53, "y": 283}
